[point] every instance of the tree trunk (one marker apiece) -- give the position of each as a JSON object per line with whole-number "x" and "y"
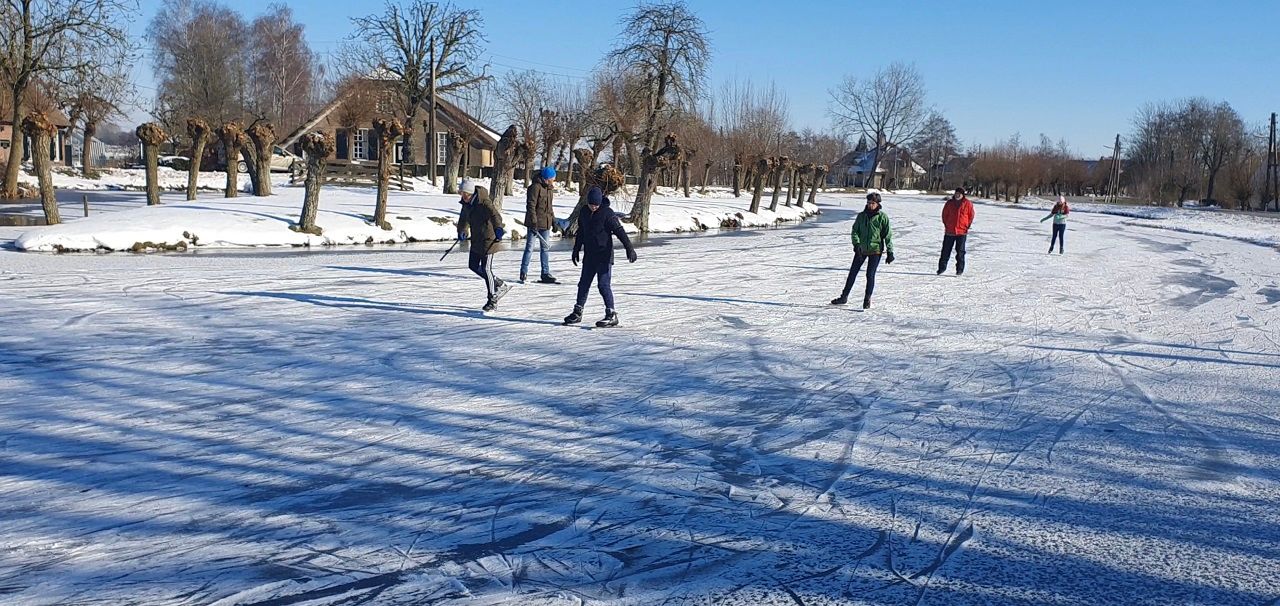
{"x": 801, "y": 187}
{"x": 763, "y": 167}
{"x": 387, "y": 131}
{"x": 198, "y": 130}
{"x": 230, "y": 135}
{"x": 263, "y": 137}
{"x": 684, "y": 176}
{"x": 38, "y": 127}
{"x": 409, "y": 157}
{"x": 819, "y": 176}
{"x": 737, "y": 175}
{"x": 152, "y": 136}
{"x": 455, "y": 148}
{"x": 86, "y": 159}
{"x": 16, "y": 145}
{"x": 1213, "y": 181}
{"x": 318, "y": 147}
{"x": 653, "y": 165}
{"x": 503, "y": 163}
{"x": 706, "y": 176}
{"x": 250, "y": 156}
{"x": 586, "y": 162}
{"x": 73, "y": 117}
{"x": 778, "y": 169}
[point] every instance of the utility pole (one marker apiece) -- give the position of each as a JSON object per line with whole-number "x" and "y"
{"x": 1113, "y": 179}
{"x": 433, "y": 142}
{"x": 1271, "y": 189}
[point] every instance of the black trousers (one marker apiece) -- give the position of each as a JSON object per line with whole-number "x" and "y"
{"x": 1059, "y": 236}
{"x": 482, "y": 265}
{"x": 873, "y": 263}
{"x": 948, "y": 243}
{"x": 599, "y": 271}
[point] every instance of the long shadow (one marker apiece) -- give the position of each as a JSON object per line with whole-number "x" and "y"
{"x": 368, "y": 304}
{"x": 1154, "y": 355}
{"x": 326, "y": 447}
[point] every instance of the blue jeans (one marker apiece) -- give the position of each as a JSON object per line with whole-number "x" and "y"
{"x": 873, "y": 263}
{"x": 601, "y": 272}
{"x": 543, "y": 238}
{"x": 1059, "y": 236}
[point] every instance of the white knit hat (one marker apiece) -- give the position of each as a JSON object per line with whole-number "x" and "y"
{"x": 468, "y": 187}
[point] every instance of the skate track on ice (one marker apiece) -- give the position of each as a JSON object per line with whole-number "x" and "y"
{"x": 344, "y": 427}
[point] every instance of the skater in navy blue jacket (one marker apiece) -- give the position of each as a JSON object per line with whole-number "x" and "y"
{"x": 597, "y": 226}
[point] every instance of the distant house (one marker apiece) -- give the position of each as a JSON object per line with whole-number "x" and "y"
{"x": 349, "y": 117}
{"x": 58, "y": 146}
{"x": 896, "y": 169}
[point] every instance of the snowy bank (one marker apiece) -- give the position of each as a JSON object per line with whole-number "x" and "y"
{"x": 345, "y": 218}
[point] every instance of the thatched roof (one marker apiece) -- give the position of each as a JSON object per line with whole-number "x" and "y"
{"x": 450, "y": 117}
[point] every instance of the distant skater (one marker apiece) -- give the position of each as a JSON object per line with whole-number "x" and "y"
{"x": 1059, "y": 216}
{"x": 957, "y": 216}
{"x": 871, "y": 237}
{"x": 538, "y": 217}
{"x": 485, "y": 222}
{"x": 597, "y": 226}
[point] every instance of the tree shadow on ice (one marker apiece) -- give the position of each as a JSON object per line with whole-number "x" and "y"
{"x": 337, "y": 444}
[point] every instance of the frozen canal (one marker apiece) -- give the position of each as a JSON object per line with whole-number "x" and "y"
{"x": 345, "y": 427}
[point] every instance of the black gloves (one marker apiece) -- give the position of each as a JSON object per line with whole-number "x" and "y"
{"x": 631, "y": 255}
{"x": 575, "y": 257}
{"x": 888, "y": 259}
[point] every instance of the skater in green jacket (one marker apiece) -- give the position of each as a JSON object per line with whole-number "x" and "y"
{"x": 1059, "y": 216}
{"x": 871, "y": 238}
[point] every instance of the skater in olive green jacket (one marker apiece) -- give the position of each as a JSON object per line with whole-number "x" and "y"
{"x": 871, "y": 238}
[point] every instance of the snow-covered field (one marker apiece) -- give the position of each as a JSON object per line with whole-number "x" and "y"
{"x": 342, "y": 426}
{"x": 345, "y": 213}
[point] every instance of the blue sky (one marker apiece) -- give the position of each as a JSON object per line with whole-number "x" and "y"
{"x": 1076, "y": 70}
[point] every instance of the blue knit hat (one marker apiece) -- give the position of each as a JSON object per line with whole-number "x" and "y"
{"x": 548, "y": 173}
{"x": 595, "y": 196}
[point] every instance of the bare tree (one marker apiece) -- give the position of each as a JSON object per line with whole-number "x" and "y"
{"x": 398, "y": 45}
{"x": 576, "y": 117}
{"x": 317, "y": 147}
{"x": 889, "y": 108}
{"x": 40, "y": 129}
{"x": 388, "y": 131}
{"x": 283, "y": 70}
{"x": 201, "y": 60}
{"x": 504, "y": 158}
{"x": 653, "y": 163}
{"x": 456, "y": 147}
{"x": 934, "y": 146}
{"x": 151, "y": 136}
{"x": 667, "y": 45}
{"x": 232, "y": 137}
{"x": 263, "y": 137}
{"x": 1221, "y": 142}
{"x": 198, "y": 130}
{"x": 47, "y": 40}
{"x": 523, "y": 96}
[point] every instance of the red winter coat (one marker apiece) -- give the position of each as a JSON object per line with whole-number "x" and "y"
{"x": 957, "y": 216}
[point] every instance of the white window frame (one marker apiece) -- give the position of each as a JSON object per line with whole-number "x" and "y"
{"x": 399, "y": 150}
{"x": 360, "y": 144}
{"x": 442, "y": 148}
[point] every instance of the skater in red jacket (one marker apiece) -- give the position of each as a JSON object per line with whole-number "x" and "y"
{"x": 957, "y": 216}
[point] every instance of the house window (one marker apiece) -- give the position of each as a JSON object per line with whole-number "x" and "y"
{"x": 442, "y": 146}
{"x": 360, "y": 144}
{"x": 399, "y": 150}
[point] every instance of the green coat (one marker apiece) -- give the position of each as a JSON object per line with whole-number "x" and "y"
{"x": 871, "y": 234}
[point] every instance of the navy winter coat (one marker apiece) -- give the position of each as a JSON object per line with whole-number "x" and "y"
{"x": 596, "y": 231}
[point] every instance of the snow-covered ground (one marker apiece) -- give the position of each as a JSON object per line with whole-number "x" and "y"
{"x": 342, "y": 426}
{"x": 345, "y": 213}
